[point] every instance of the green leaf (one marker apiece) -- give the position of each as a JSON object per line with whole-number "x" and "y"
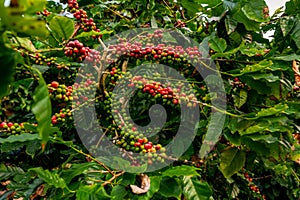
{"x": 52, "y": 178}
{"x": 183, "y": 170}
{"x": 26, "y": 43}
{"x": 32, "y": 147}
{"x": 191, "y": 6}
{"x": 253, "y": 10}
{"x": 249, "y": 24}
{"x": 295, "y": 35}
{"x": 232, "y": 160}
{"x": 230, "y": 24}
{"x": 255, "y": 128}
{"x": 20, "y": 138}
{"x": 7, "y": 68}
{"x": 263, "y": 138}
{"x": 279, "y": 108}
{"x": 227, "y": 54}
{"x": 215, "y": 128}
{"x": 91, "y": 192}
{"x": 92, "y": 33}
{"x": 193, "y": 189}
{"x": 256, "y": 67}
{"x": 118, "y": 192}
{"x": 42, "y": 108}
{"x": 289, "y": 57}
{"x": 62, "y": 27}
{"x": 217, "y": 44}
{"x": 19, "y": 17}
{"x": 241, "y": 98}
{"x": 269, "y": 77}
{"x": 8, "y": 171}
{"x": 170, "y": 187}
{"x": 286, "y": 24}
{"x": 75, "y": 170}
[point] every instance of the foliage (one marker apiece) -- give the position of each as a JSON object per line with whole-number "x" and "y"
{"x": 43, "y": 45}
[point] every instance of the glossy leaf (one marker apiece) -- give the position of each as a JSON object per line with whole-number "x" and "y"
{"x": 257, "y": 67}
{"x": 42, "y": 108}
{"x": 178, "y": 171}
{"x": 91, "y": 192}
{"x": 20, "y": 138}
{"x": 241, "y": 98}
{"x": 51, "y": 178}
{"x": 170, "y": 187}
{"x": 232, "y": 160}
{"x": 193, "y": 189}
{"x": 286, "y": 25}
{"x": 61, "y": 27}
{"x": 296, "y": 33}
{"x": 118, "y": 192}
{"x": 19, "y": 19}
{"x": 215, "y": 127}
{"x": 92, "y": 33}
{"x": 217, "y": 44}
{"x": 8, "y": 171}
{"x": 279, "y": 108}
{"x": 254, "y": 10}
{"x": 243, "y": 19}
{"x": 7, "y": 68}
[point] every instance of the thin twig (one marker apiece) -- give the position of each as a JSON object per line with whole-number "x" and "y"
{"x": 113, "y": 178}
{"x": 94, "y": 159}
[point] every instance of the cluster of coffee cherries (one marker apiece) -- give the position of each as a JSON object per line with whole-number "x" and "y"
{"x": 114, "y": 75}
{"x": 236, "y": 83}
{"x": 39, "y": 58}
{"x": 162, "y": 52}
{"x": 45, "y": 12}
{"x": 76, "y": 50}
{"x": 252, "y": 185}
{"x": 81, "y": 15}
{"x": 133, "y": 141}
{"x": 157, "y": 34}
{"x": 60, "y": 92}
{"x": 62, "y": 117}
{"x": 83, "y": 89}
{"x": 93, "y": 57}
{"x": 73, "y": 5}
{"x": 158, "y": 90}
{"x": 179, "y": 24}
{"x": 43, "y": 60}
{"x": 88, "y": 25}
{"x": 10, "y": 128}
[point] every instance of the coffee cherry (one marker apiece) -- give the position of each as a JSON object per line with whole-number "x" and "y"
{"x": 54, "y": 84}
{"x": 9, "y": 124}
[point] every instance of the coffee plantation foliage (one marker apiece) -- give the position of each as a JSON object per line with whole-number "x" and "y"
{"x": 54, "y": 63}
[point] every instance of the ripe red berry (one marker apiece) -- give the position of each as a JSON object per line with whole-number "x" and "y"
{"x": 54, "y": 84}
{"x": 137, "y": 144}
{"x": 9, "y": 124}
{"x": 148, "y": 145}
{"x": 141, "y": 141}
{"x": 3, "y": 124}
{"x": 175, "y": 101}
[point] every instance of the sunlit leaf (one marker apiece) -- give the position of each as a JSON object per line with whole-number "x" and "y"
{"x": 196, "y": 190}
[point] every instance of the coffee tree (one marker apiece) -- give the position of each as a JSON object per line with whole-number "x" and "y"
{"x": 71, "y": 68}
